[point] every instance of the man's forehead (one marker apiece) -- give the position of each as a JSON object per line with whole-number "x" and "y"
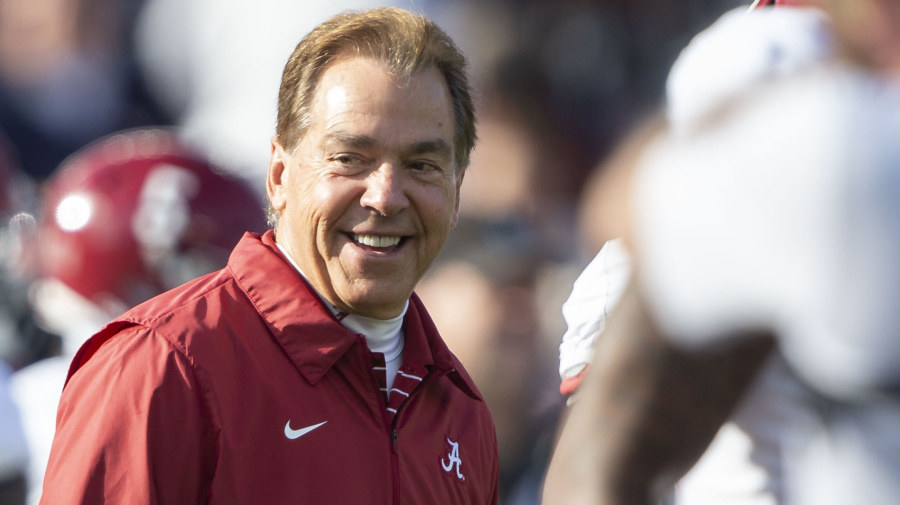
{"x": 362, "y": 73}
{"x": 336, "y": 97}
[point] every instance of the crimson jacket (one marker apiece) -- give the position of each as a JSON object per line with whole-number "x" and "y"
{"x": 241, "y": 388}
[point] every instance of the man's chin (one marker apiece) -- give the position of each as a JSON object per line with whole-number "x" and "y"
{"x": 378, "y": 304}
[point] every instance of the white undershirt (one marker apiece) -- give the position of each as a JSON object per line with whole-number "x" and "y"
{"x": 382, "y": 335}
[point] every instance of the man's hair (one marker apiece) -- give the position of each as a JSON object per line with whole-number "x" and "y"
{"x": 405, "y": 42}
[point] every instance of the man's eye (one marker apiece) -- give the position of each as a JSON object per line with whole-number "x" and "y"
{"x": 348, "y": 164}
{"x": 422, "y": 166}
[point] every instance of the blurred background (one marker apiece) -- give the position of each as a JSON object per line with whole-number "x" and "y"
{"x": 557, "y": 84}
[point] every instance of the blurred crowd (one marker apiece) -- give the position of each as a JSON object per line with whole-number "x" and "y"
{"x": 92, "y": 89}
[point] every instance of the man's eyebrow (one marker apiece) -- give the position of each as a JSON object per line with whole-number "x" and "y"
{"x": 439, "y": 147}
{"x": 349, "y": 139}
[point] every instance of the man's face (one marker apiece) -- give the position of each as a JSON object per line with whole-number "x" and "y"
{"x": 369, "y": 195}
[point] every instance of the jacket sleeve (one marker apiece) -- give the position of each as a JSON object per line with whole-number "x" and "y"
{"x": 131, "y": 428}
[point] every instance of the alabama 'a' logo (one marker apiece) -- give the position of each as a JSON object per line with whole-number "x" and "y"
{"x": 452, "y": 461}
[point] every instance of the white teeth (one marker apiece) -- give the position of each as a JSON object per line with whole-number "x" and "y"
{"x": 376, "y": 241}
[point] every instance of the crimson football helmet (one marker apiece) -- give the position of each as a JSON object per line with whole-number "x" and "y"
{"x": 137, "y": 213}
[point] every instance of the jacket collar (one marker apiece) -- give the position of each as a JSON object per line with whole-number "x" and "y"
{"x": 424, "y": 346}
{"x": 310, "y": 334}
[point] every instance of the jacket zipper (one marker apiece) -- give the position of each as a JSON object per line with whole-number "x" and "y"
{"x": 395, "y": 465}
{"x": 395, "y": 458}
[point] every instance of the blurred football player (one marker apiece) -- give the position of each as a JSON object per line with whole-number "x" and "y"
{"x": 771, "y": 225}
{"x": 744, "y": 462}
{"x": 122, "y": 220}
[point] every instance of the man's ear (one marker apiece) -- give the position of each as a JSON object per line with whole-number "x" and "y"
{"x": 459, "y": 182}
{"x": 276, "y": 176}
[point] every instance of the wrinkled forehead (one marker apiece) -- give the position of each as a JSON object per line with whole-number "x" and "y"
{"x": 368, "y": 85}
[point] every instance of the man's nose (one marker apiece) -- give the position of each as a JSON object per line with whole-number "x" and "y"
{"x": 384, "y": 190}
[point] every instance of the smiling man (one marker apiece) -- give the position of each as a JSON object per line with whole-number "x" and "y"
{"x": 372, "y": 189}
{"x": 306, "y": 371}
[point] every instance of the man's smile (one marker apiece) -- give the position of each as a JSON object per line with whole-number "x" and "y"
{"x": 375, "y": 241}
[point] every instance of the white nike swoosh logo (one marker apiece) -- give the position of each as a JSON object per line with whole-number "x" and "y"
{"x": 293, "y": 434}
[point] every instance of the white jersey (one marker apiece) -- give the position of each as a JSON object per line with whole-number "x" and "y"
{"x": 785, "y": 214}
{"x": 799, "y": 188}
{"x": 36, "y": 390}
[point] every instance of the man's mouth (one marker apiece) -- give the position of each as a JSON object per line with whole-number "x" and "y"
{"x": 375, "y": 241}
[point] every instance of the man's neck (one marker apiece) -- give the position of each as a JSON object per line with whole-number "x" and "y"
{"x": 382, "y": 335}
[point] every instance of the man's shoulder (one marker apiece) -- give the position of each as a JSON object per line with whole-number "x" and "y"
{"x": 193, "y": 301}
{"x": 195, "y": 316}
{"x": 207, "y": 291}
{"x": 175, "y": 315}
